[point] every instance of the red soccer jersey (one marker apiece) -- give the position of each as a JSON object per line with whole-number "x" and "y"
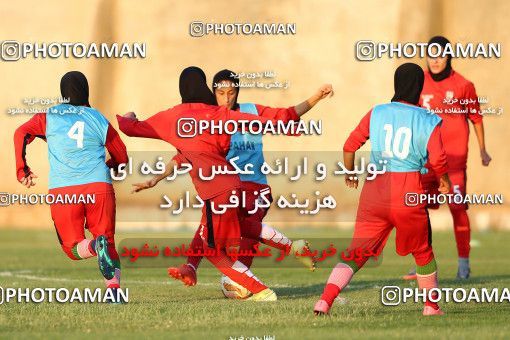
{"x": 204, "y": 151}
{"x": 454, "y": 99}
{"x": 391, "y": 188}
{"x": 36, "y": 127}
{"x": 437, "y": 159}
{"x": 285, "y": 114}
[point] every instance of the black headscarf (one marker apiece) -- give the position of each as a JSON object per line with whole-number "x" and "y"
{"x": 193, "y": 87}
{"x": 227, "y": 75}
{"x": 75, "y": 87}
{"x": 441, "y": 41}
{"x": 408, "y": 83}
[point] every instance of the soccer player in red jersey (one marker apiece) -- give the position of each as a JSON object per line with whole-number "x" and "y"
{"x": 453, "y": 97}
{"x": 77, "y": 135}
{"x": 406, "y": 137}
{"x": 248, "y": 150}
{"x": 204, "y": 151}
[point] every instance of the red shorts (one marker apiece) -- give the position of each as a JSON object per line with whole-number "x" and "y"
{"x": 72, "y": 219}
{"x": 220, "y": 230}
{"x": 249, "y": 189}
{"x": 251, "y": 224}
{"x": 382, "y": 208}
{"x": 458, "y": 180}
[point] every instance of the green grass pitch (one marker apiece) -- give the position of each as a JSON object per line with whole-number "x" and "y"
{"x": 162, "y": 308}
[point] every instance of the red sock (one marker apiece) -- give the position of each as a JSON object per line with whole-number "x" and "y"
{"x": 247, "y": 244}
{"x": 238, "y": 272}
{"x": 330, "y": 293}
{"x": 196, "y": 244}
{"x": 428, "y": 282}
{"x": 339, "y": 278}
{"x": 274, "y": 238}
{"x": 83, "y": 249}
{"x": 462, "y": 231}
{"x": 432, "y": 304}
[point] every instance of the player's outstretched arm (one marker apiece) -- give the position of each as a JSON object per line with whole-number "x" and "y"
{"x": 132, "y": 127}
{"x": 24, "y": 135}
{"x": 293, "y": 113}
{"x": 115, "y": 147}
{"x": 169, "y": 170}
{"x": 323, "y": 92}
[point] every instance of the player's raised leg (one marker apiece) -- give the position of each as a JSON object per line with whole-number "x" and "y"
{"x": 252, "y": 232}
{"x": 370, "y": 233}
{"x": 272, "y": 237}
{"x": 101, "y": 223}
{"x": 69, "y": 220}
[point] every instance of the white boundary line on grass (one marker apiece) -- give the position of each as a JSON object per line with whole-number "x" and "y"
{"x": 23, "y": 274}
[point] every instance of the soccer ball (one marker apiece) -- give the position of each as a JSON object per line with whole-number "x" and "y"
{"x": 233, "y": 290}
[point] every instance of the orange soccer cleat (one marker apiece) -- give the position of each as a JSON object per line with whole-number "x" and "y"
{"x": 184, "y": 273}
